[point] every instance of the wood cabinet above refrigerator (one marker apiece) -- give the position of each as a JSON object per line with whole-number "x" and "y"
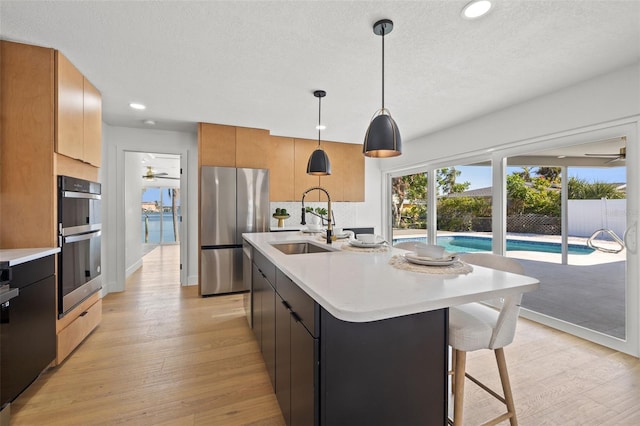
{"x": 286, "y": 158}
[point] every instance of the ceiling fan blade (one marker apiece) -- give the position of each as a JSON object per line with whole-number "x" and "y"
{"x": 618, "y": 158}
{"x": 603, "y": 155}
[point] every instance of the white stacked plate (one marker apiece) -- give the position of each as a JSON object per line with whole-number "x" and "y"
{"x": 446, "y": 260}
{"x": 360, "y": 244}
{"x": 343, "y": 235}
{"x": 312, "y": 231}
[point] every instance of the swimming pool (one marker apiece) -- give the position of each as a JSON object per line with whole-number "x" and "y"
{"x": 468, "y": 244}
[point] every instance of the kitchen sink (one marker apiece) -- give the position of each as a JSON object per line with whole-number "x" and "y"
{"x": 301, "y": 248}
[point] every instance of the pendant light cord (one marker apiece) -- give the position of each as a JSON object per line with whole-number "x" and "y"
{"x": 383, "y": 68}
{"x": 319, "y": 110}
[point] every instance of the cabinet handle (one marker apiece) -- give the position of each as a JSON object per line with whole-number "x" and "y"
{"x": 286, "y": 305}
{"x": 296, "y": 317}
{"x": 84, "y": 313}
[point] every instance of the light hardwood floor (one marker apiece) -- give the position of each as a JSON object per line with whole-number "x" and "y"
{"x": 162, "y": 355}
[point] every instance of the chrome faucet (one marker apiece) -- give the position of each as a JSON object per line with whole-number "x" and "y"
{"x": 329, "y": 213}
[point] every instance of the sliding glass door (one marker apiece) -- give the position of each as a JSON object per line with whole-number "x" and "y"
{"x": 563, "y": 207}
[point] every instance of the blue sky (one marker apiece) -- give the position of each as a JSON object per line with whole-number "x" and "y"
{"x": 153, "y": 194}
{"x": 480, "y": 176}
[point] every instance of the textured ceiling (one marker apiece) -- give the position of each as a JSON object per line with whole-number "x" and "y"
{"x": 257, "y": 63}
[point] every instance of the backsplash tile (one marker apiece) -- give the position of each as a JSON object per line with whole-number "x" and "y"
{"x": 345, "y": 214}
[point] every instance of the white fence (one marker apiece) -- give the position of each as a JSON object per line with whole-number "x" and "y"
{"x": 587, "y": 216}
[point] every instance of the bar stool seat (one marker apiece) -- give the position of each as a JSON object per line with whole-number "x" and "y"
{"x": 476, "y": 326}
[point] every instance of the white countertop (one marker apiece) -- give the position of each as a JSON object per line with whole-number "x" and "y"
{"x": 361, "y": 287}
{"x": 286, "y": 228}
{"x": 13, "y": 257}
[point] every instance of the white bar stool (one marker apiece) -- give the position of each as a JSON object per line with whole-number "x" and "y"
{"x": 476, "y": 326}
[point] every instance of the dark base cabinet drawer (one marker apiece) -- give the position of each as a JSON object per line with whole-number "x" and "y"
{"x": 304, "y": 307}
{"x": 35, "y": 270}
{"x": 28, "y": 336}
{"x": 267, "y": 268}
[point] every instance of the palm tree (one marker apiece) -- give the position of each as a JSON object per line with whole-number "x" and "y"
{"x": 175, "y": 193}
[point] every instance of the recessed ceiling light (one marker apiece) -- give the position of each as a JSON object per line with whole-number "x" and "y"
{"x": 135, "y": 105}
{"x": 149, "y": 122}
{"x": 476, "y": 9}
{"x": 321, "y": 127}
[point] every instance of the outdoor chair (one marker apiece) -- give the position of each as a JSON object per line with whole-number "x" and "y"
{"x": 476, "y": 326}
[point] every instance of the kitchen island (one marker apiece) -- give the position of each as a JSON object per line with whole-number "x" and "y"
{"x": 350, "y": 339}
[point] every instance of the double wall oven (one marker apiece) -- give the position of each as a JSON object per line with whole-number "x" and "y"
{"x": 80, "y": 229}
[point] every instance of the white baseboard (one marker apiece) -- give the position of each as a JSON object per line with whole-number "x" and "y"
{"x": 131, "y": 269}
{"x": 192, "y": 280}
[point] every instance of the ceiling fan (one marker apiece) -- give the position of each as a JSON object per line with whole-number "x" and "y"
{"x": 620, "y": 156}
{"x": 150, "y": 175}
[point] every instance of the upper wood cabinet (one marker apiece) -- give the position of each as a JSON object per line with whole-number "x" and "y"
{"x": 29, "y": 163}
{"x": 346, "y": 182}
{"x": 217, "y": 145}
{"x": 92, "y": 124}
{"x": 286, "y": 159}
{"x": 27, "y": 174}
{"x": 303, "y": 181}
{"x": 252, "y": 148}
{"x": 281, "y": 159}
{"x": 77, "y": 101}
{"x": 70, "y": 109}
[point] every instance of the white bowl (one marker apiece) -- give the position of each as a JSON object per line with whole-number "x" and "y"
{"x": 429, "y": 250}
{"x": 367, "y": 238}
{"x": 314, "y": 226}
{"x": 337, "y": 231}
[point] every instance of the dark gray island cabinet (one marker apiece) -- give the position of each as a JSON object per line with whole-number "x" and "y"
{"x": 326, "y": 371}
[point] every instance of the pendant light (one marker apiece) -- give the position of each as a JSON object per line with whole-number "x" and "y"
{"x": 383, "y": 137}
{"x": 319, "y": 164}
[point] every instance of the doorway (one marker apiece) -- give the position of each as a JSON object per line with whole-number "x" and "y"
{"x": 153, "y": 206}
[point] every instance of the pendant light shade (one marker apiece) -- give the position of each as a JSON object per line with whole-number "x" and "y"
{"x": 319, "y": 164}
{"x": 383, "y": 136}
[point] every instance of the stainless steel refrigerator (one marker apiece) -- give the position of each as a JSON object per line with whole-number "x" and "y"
{"x": 232, "y": 201}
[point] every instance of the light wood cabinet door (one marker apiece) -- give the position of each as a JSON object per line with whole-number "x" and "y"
{"x": 281, "y": 163}
{"x": 353, "y": 189}
{"x": 252, "y": 148}
{"x": 217, "y": 145}
{"x": 92, "y": 125}
{"x": 346, "y": 181}
{"x": 302, "y": 181}
{"x": 334, "y": 183}
{"x": 70, "y": 108}
{"x": 27, "y": 176}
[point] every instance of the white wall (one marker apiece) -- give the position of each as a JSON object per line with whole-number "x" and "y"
{"x": 133, "y": 227}
{"x": 117, "y": 188}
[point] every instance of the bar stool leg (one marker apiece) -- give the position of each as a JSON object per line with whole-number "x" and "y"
{"x": 506, "y": 385}
{"x": 453, "y": 371}
{"x": 458, "y": 397}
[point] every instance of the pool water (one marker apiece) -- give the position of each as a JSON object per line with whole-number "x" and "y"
{"x": 468, "y": 244}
